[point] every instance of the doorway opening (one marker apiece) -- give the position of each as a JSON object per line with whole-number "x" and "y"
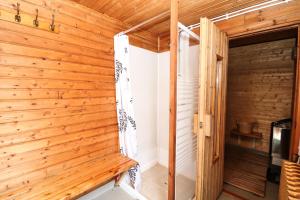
{"x": 260, "y": 93}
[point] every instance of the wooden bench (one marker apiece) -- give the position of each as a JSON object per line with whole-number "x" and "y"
{"x": 74, "y": 181}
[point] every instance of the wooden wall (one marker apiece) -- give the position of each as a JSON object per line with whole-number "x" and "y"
{"x": 260, "y": 88}
{"x": 57, "y": 94}
{"x": 270, "y": 18}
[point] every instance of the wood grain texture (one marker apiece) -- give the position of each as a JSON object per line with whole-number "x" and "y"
{"x": 260, "y": 89}
{"x": 211, "y": 110}
{"x": 289, "y": 181}
{"x": 173, "y": 99}
{"x": 58, "y": 121}
{"x": 246, "y": 169}
{"x": 135, "y": 12}
{"x": 87, "y": 27}
{"x": 266, "y": 19}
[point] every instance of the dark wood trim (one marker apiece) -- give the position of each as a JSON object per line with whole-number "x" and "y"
{"x": 263, "y": 31}
{"x": 269, "y": 36}
{"x": 173, "y": 97}
{"x": 296, "y": 108}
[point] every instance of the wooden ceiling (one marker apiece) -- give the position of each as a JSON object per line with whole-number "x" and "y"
{"x": 134, "y": 12}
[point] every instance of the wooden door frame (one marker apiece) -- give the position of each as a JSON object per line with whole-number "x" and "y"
{"x": 295, "y": 132}
{"x": 295, "y": 136}
{"x": 173, "y": 98}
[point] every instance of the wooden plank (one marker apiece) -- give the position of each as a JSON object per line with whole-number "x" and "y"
{"x": 173, "y": 98}
{"x": 39, "y": 144}
{"x": 295, "y": 134}
{"x": 211, "y": 108}
{"x": 65, "y": 36}
{"x": 71, "y": 145}
{"x": 57, "y": 96}
{"x": 40, "y": 164}
{"x": 8, "y": 36}
{"x": 189, "y": 11}
{"x": 18, "y": 105}
{"x": 281, "y": 16}
{"x": 23, "y": 94}
{"x": 201, "y": 118}
{"x": 15, "y": 127}
{"x": 289, "y": 181}
{"x": 51, "y": 54}
{"x": 85, "y": 21}
{"x": 27, "y": 20}
{"x": 25, "y": 83}
{"x": 43, "y": 63}
{"x": 246, "y": 169}
{"x": 24, "y": 72}
{"x": 49, "y": 114}
{"x": 28, "y": 136}
{"x": 111, "y": 165}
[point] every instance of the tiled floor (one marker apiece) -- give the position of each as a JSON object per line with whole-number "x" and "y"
{"x": 154, "y": 185}
{"x": 116, "y": 193}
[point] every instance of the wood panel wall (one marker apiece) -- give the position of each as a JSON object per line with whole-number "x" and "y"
{"x": 270, "y": 18}
{"x": 57, "y": 93}
{"x": 260, "y": 88}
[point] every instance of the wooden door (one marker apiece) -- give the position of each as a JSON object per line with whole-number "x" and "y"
{"x": 211, "y": 111}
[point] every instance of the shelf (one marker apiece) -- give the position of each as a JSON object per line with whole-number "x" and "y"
{"x": 254, "y": 135}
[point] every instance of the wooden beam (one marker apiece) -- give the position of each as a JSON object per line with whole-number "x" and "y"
{"x": 173, "y": 97}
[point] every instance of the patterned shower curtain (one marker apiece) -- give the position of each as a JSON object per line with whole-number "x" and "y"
{"x": 126, "y": 120}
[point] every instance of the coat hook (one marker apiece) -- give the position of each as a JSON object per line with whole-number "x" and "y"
{"x": 36, "y": 21}
{"x": 52, "y": 25}
{"x": 17, "y": 16}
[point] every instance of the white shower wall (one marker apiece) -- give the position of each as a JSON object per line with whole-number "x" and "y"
{"x": 143, "y": 74}
{"x": 150, "y": 87}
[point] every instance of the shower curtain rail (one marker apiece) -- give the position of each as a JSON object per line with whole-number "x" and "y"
{"x": 243, "y": 11}
{"x": 164, "y": 14}
{"x": 186, "y": 29}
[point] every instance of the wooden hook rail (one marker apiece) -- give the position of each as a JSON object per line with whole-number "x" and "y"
{"x": 29, "y": 20}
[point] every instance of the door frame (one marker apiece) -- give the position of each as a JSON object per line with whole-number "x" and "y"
{"x": 295, "y": 113}
{"x": 295, "y": 135}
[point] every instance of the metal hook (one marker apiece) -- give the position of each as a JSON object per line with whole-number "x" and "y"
{"x": 17, "y": 16}
{"x": 52, "y": 25}
{"x": 36, "y": 21}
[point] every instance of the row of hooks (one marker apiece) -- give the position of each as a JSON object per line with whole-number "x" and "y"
{"x": 36, "y": 20}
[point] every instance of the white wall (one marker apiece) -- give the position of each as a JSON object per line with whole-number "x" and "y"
{"x": 163, "y": 99}
{"x": 143, "y": 74}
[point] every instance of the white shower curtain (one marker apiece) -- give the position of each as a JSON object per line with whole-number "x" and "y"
{"x": 124, "y": 99}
